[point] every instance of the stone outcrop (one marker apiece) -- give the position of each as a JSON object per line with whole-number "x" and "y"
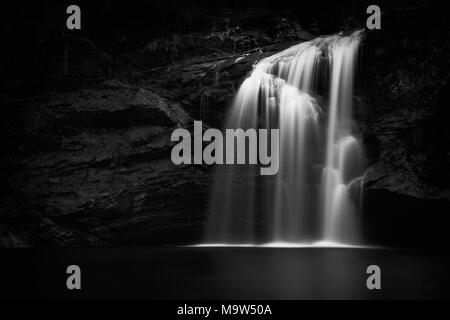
{"x": 100, "y": 171}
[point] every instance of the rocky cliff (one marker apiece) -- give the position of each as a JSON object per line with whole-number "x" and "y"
{"x": 88, "y": 162}
{"x": 96, "y": 169}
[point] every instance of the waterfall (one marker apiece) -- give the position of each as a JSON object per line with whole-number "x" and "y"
{"x": 306, "y": 92}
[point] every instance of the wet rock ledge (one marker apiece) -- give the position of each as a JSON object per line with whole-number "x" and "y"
{"x": 96, "y": 169}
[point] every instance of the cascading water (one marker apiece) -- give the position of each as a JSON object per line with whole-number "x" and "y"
{"x": 309, "y": 199}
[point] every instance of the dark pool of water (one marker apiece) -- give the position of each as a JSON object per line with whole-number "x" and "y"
{"x": 223, "y": 273}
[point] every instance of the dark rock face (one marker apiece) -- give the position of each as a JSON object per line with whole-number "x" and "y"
{"x": 100, "y": 171}
{"x": 206, "y": 85}
{"x": 402, "y": 115}
{"x": 91, "y": 165}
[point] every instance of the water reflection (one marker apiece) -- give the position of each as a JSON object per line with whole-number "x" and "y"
{"x": 225, "y": 273}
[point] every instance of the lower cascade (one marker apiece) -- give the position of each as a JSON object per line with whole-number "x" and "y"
{"x": 306, "y": 92}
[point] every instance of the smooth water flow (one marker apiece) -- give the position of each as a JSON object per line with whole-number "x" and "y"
{"x": 306, "y": 92}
